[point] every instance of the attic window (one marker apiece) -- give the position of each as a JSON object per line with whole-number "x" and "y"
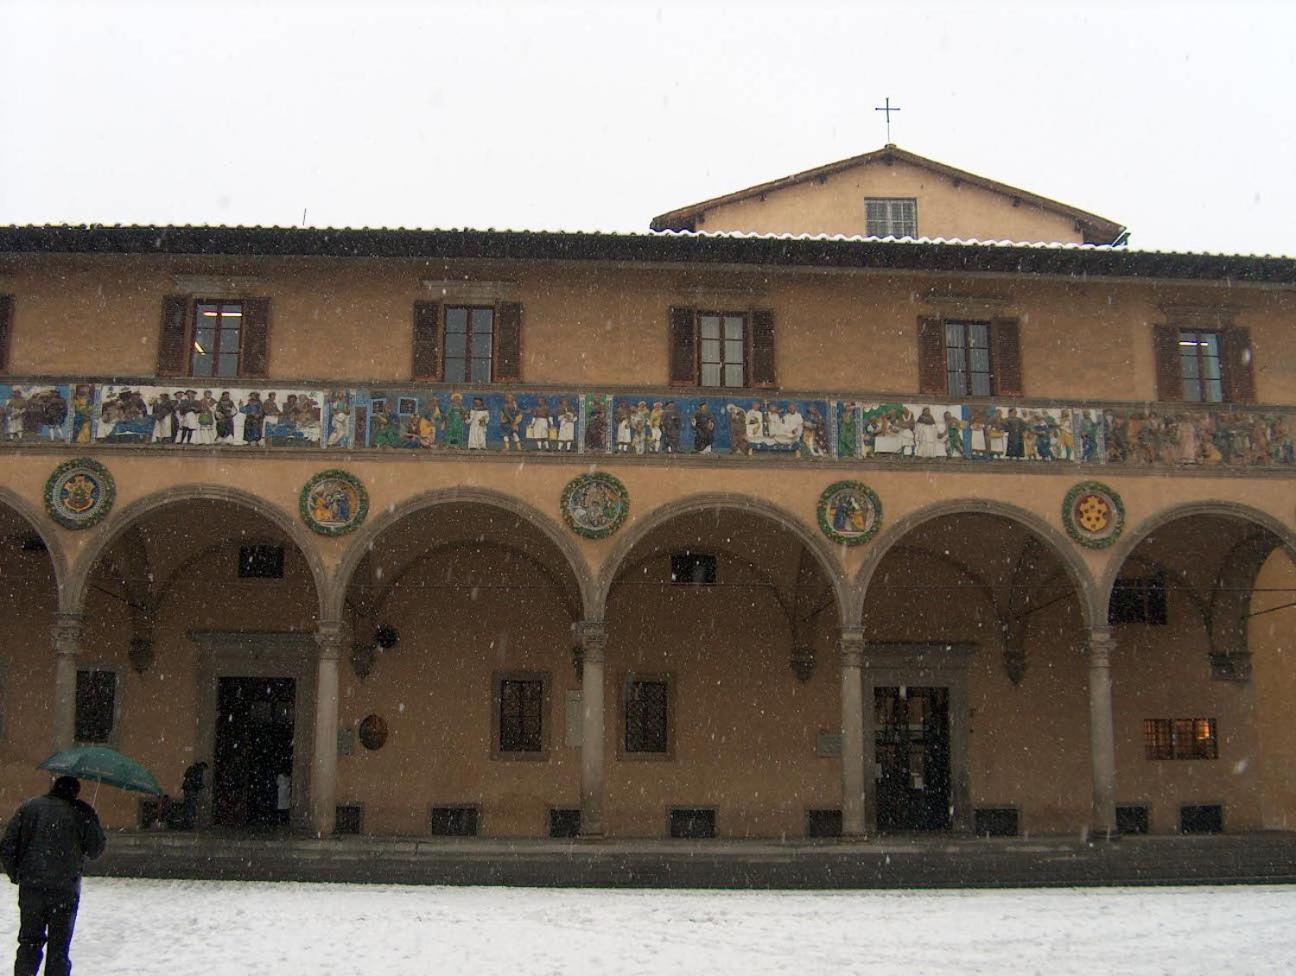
{"x": 891, "y": 217}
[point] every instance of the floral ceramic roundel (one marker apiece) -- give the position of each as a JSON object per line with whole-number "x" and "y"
{"x": 79, "y": 493}
{"x": 334, "y": 502}
{"x": 850, "y": 512}
{"x": 1094, "y": 514}
{"x": 595, "y": 505}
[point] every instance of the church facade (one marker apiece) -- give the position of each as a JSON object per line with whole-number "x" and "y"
{"x": 809, "y": 513}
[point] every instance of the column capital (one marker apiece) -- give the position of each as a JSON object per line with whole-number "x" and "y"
{"x": 328, "y": 637}
{"x": 1101, "y": 643}
{"x": 592, "y": 637}
{"x": 850, "y": 644}
{"x": 66, "y": 632}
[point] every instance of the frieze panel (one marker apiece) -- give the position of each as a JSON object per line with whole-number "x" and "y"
{"x": 644, "y": 424}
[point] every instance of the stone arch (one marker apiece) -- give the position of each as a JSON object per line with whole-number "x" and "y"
{"x": 58, "y": 558}
{"x": 119, "y": 522}
{"x": 365, "y": 538}
{"x": 818, "y": 547}
{"x": 1129, "y": 544}
{"x": 1054, "y": 540}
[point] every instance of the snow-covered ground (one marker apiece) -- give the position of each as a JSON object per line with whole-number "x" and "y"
{"x": 204, "y": 927}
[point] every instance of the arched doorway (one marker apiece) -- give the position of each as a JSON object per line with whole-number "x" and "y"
{"x": 29, "y": 598}
{"x": 1200, "y": 602}
{"x": 723, "y": 685}
{"x": 201, "y": 608}
{"x": 976, "y": 699}
{"x": 460, "y": 708}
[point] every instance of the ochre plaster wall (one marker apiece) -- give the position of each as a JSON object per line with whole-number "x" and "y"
{"x": 351, "y": 322}
{"x": 1272, "y": 639}
{"x": 836, "y": 206}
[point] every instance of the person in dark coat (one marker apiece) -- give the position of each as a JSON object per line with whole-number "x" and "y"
{"x": 43, "y": 851}
{"x": 195, "y": 778}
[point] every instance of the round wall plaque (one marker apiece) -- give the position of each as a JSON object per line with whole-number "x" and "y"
{"x": 373, "y": 732}
{"x": 1093, "y": 514}
{"x": 850, "y": 512}
{"x": 595, "y": 505}
{"x": 79, "y": 493}
{"x": 334, "y": 502}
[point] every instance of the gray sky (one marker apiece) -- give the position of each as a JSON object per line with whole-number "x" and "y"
{"x": 1177, "y": 119}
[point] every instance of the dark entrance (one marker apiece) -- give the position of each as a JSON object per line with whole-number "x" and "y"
{"x": 254, "y": 748}
{"x": 912, "y": 751}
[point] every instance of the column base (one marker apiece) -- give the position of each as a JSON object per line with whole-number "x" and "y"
{"x": 1101, "y": 835}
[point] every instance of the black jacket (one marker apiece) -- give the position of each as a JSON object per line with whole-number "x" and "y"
{"x": 48, "y": 840}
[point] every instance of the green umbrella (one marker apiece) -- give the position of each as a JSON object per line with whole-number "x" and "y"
{"x": 103, "y": 765}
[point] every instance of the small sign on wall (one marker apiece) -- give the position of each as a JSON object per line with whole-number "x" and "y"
{"x": 828, "y": 744}
{"x": 575, "y": 720}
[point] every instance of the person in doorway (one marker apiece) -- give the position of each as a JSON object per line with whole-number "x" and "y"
{"x": 283, "y": 796}
{"x": 43, "y": 851}
{"x": 195, "y": 780}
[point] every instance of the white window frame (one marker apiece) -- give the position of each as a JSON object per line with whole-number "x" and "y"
{"x": 899, "y": 220}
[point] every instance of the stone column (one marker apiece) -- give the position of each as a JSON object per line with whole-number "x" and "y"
{"x": 592, "y": 636}
{"x": 66, "y": 634}
{"x": 851, "y": 646}
{"x": 1102, "y": 741}
{"x": 323, "y": 792}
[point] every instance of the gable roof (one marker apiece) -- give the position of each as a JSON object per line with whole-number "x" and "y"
{"x": 1097, "y": 230}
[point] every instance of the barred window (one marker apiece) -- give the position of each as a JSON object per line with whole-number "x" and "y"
{"x": 1180, "y": 738}
{"x": 521, "y": 715}
{"x": 647, "y": 715}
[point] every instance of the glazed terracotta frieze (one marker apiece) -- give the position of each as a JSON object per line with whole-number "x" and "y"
{"x": 650, "y": 423}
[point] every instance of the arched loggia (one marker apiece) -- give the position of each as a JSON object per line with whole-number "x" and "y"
{"x": 723, "y": 623}
{"x": 32, "y": 567}
{"x": 1202, "y": 601}
{"x": 461, "y": 605}
{"x": 973, "y": 614}
{"x": 199, "y": 610}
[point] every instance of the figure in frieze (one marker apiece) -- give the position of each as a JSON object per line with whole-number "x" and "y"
{"x": 848, "y": 432}
{"x": 566, "y": 426}
{"x": 1015, "y": 427}
{"x": 162, "y": 408}
{"x": 672, "y": 427}
{"x": 928, "y": 435}
{"x": 83, "y": 414}
{"x": 703, "y": 423}
{"x": 654, "y": 438}
{"x": 478, "y": 419}
{"x": 510, "y": 423}
{"x": 1066, "y": 437}
{"x": 456, "y": 422}
{"x": 1088, "y": 429}
{"x": 814, "y": 436}
{"x": 537, "y": 430}
{"x": 953, "y": 435}
{"x": 623, "y": 428}
{"x": 596, "y": 424}
{"x": 340, "y": 420}
{"x": 253, "y": 419}
{"x": 737, "y": 430}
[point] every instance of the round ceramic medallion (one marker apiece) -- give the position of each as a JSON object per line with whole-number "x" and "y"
{"x": 79, "y": 493}
{"x": 373, "y": 732}
{"x": 595, "y": 505}
{"x": 334, "y": 502}
{"x": 850, "y": 512}
{"x": 1093, "y": 514}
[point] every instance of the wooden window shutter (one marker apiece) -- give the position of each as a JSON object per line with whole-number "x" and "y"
{"x": 683, "y": 347}
{"x": 762, "y": 348}
{"x": 1239, "y": 378}
{"x": 6, "y": 329}
{"x": 173, "y": 347}
{"x": 933, "y": 376}
{"x": 426, "y": 363}
{"x": 1165, "y": 347}
{"x": 508, "y": 342}
{"x": 255, "y": 358}
{"x": 1005, "y": 357}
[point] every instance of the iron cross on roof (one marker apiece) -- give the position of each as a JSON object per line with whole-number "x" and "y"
{"x": 888, "y": 109}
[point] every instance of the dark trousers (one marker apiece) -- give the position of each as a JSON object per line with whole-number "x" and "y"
{"x": 45, "y": 915}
